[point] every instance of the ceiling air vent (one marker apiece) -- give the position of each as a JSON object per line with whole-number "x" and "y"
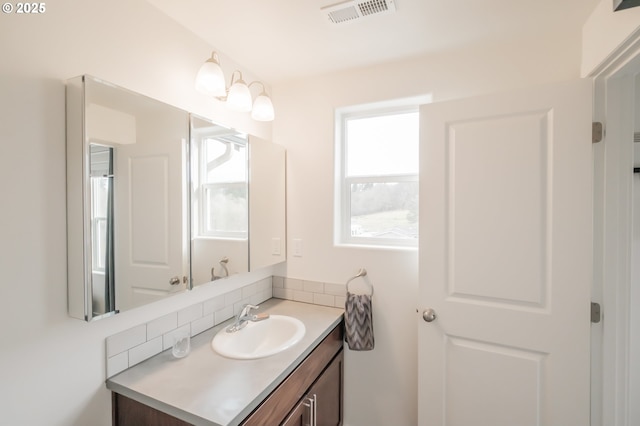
{"x": 352, "y": 10}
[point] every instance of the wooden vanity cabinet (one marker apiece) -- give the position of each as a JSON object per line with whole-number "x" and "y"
{"x": 128, "y": 412}
{"x": 312, "y": 395}
{"x": 322, "y": 406}
{"x": 301, "y": 415}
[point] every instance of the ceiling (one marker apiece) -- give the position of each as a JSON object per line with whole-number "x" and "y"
{"x": 287, "y": 39}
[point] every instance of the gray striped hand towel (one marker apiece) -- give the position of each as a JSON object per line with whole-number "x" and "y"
{"x": 358, "y": 322}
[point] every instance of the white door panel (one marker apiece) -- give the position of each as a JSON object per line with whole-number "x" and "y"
{"x": 150, "y": 226}
{"x": 505, "y": 255}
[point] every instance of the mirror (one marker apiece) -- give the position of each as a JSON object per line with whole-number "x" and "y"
{"x": 237, "y": 202}
{"x": 159, "y": 201}
{"x": 126, "y": 199}
{"x": 219, "y": 201}
{"x": 267, "y": 202}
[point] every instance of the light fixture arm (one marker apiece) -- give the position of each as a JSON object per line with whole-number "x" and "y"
{"x": 264, "y": 90}
{"x": 233, "y": 80}
{"x": 233, "y": 74}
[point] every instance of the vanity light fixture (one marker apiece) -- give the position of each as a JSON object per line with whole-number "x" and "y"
{"x": 210, "y": 81}
{"x": 210, "y": 78}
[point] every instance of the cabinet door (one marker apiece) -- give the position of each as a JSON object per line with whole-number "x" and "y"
{"x": 327, "y": 393}
{"x": 301, "y": 415}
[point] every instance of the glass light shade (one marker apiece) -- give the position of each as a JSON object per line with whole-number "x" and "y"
{"x": 262, "y": 108}
{"x": 239, "y": 97}
{"x": 210, "y": 79}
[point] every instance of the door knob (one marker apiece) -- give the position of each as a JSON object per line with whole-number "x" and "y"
{"x": 429, "y": 315}
{"x": 174, "y": 280}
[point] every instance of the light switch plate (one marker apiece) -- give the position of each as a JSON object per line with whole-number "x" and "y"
{"x": 297, "y": 247}
{"x": 275, "y": 246}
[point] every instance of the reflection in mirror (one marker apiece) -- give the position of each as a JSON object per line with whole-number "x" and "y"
{"x": 126, "y": 176}
{"x": 219, "y": 201}
{"x": 102, "y": 259}
{"x": 267, "y": 204}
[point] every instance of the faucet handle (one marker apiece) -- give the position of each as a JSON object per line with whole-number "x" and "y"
{"x": 245, "y": 310}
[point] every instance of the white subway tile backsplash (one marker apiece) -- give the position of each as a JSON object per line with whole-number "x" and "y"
{"x": 145, "y": 351}
{"x": 302, "y": 296}
{"x": 249, "y": 290}
{"x": 202, "y": 324}
{"x": 278, "y": 282}
{"x": 117, "y": 363}
{"x": 167, "y": 338}
{"x": 283, "y": 293}
{"x": 223, "y": 314}
{"x": 313, "y": 286}
{"x": 335, "y": 289}
{"x": 126, "y": 340}
{"x": 327, "y": 294}
{"x": 189, "y": 314}
{"x": 293, "y": 284}
{"x": 212, "y": 305}
{"x": 265, "y": 284}
{"x": 232, "y": 297}
{"x": 324, "y": 299}
{"x": 161, "y": 325}
{"x": 261, "y": 296}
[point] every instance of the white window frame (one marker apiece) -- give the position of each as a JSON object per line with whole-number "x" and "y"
{"x": 203, "y": 231}
{"x": 342, "y": 211}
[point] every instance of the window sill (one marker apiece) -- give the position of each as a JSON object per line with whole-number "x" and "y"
{"x": 352, "y": 245}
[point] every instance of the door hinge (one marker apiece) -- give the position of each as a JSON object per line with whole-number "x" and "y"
{"x": 596, "y": 315}
{"x": 596, "y": 132}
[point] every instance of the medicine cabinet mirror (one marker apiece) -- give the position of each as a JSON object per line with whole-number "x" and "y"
{"x": 159, "y": 200}
{"x": 126, "y": 208}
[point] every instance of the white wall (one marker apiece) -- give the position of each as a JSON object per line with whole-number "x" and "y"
{"x": 604, "y": 31}
{"x": 381, "y": 385}
{"x": 52, "y": 367}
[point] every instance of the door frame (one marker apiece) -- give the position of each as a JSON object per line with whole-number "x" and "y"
{"x": 613, "y": 100}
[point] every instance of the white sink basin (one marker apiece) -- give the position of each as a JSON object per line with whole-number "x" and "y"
{"x": 259, "y": 339}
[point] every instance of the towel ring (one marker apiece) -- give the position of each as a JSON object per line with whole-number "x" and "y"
{"x": 361, "y": 273}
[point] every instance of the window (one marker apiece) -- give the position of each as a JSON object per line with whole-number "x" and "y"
{"x": 223, "y": 189}
{"x": 377, "y": 187}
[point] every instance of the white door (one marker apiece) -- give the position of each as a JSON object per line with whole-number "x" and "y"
{"x": 505, "y": 259}
{"x": 150, "y": 219}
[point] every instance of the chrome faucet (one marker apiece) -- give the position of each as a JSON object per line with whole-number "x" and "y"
{"x": 223, "y": 263}
{"x": 244, "y": 317}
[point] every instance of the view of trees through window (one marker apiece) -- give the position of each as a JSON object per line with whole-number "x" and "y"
{"x": 380, "y": 177}
{"x": 384, "y": 210}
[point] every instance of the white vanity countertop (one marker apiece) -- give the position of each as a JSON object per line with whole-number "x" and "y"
{"x": 205, "y": 388}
